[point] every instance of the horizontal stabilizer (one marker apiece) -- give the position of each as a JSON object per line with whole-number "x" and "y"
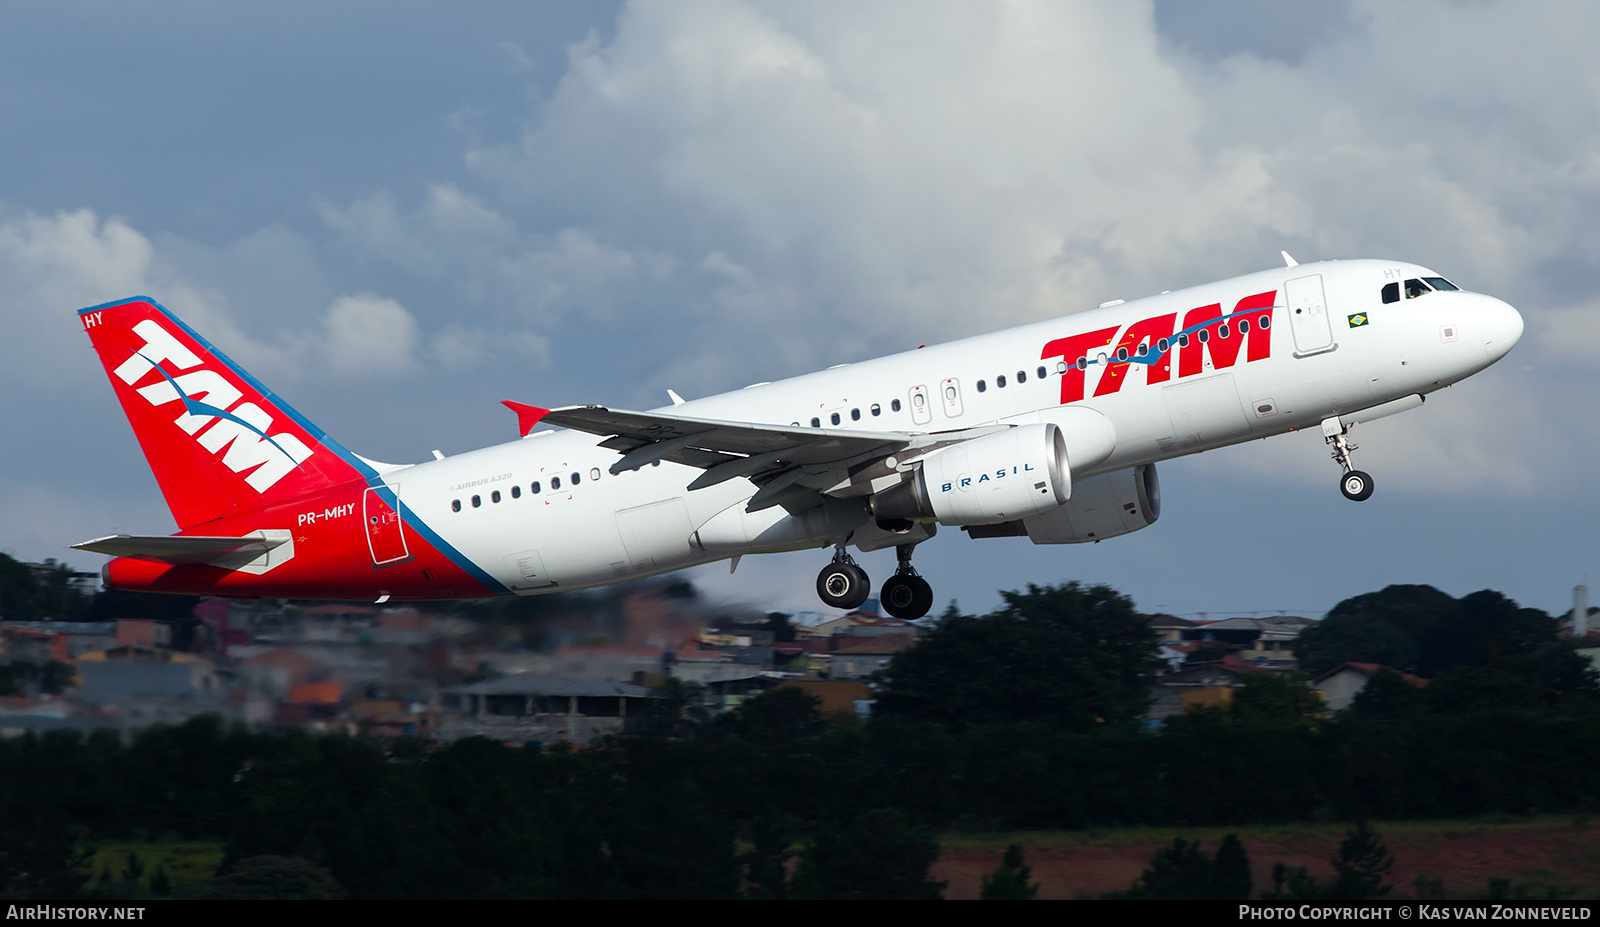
{"x": 179, "y": 550}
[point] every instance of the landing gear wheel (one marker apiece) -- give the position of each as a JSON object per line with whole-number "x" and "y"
{"x": 1356, "y": 485}
{"x": 906, "y": 596}
{"x": 842, "y": 584}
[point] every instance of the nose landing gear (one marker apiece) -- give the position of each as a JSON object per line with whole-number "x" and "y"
{"x": 906, "y": 595}
{"x": 1356, "y": 485}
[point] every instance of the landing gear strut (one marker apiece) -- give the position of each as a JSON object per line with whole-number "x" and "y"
{"x": 906, "y": 595}
{"x": 1355, "y": 484}
{"x": 842, "y": 584}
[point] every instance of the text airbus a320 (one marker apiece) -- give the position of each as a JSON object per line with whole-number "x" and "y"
{"x": 1050, "y": 430}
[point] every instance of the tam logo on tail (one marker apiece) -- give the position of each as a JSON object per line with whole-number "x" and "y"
{"x": 239, "y": 434}
{"x": 217, "y": 440}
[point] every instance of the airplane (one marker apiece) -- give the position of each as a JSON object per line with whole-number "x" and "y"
{"x": 1050, "y": 431}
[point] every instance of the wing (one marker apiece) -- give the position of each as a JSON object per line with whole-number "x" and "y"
{"x": 794, "y": 467}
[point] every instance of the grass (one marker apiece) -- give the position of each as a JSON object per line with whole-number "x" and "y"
{"x": 187, "y": 864}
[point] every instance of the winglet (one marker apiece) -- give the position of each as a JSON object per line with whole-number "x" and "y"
{"x": 527, "y": 416}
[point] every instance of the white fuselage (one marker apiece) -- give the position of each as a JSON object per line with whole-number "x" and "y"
{"x": 599, "y": 528}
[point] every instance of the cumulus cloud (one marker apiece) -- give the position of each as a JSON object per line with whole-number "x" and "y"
{"x": 367, "y": 334}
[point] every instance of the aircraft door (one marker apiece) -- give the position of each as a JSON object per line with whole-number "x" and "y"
{"x": 921, "y": 407}
{"x": 386, "y": 539}
{"x": 950, "y": 392}
{"x": 1308, "y": 315}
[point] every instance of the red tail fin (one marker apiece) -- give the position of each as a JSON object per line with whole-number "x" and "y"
{"x": 218, "y": 441}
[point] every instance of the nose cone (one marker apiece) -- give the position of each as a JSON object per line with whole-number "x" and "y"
{"x": 1501, "y": 327}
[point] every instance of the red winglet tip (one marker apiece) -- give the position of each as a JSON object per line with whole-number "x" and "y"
{"x": 527, "y": 416}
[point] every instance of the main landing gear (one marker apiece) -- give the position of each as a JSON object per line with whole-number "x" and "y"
{"x": 1355, "y": 484}
{"x": 906, "y": 595}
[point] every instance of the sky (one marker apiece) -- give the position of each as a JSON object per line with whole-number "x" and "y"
{"x": 397, "y": 214}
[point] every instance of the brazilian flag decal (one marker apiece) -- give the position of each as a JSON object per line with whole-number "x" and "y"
{"x": 1358, "y": 320}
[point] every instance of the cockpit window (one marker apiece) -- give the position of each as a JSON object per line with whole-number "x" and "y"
{"x": 1391, "y": 292}
{"x": 1440, "y": 283}
{"x": 1415, "y": 288}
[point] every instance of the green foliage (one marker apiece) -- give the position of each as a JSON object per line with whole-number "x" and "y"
{"x": 1009, "y": 882}
{"x": 1179, "y": 872}
{"x": 274, "y": 878}
{"x": 160, "y": 885}
{"x": 1362, "y": 865}
{"x": 879, "y": 855}
{"x": 1072, "y": 656}
{"x": 1422, "y": 630}
{"x": 1230, "y": 871}
{"x": 1386, "y": 697}
{"x": 1275, "y": 699}
{"x": 133, "y": 871}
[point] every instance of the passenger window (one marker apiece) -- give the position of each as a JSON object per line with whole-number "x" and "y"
{"x": 1264, "y": 321}
{"x": 1391, "y": 293}
{"x": 535, "y": 487}
{"x": 1204, "y": 336}
{"x": 576, "y": 479}
{"x": 516, "y": 492}
{"x": 1244, "y": 326}
{"x": 594, "y": 473}
{"x": 1222, "y": 330}
{"x": 476, "y": 501}
{"x": 1022, "y": 376}
{"x": 1439, "y": 283}
{"x": 1042, "y": 373}
{"x": 918, "y": 400}
{"x": 1000, "y": 381}
{"x": 876, "y": 410}
{"x": 855, "y": 415}
{"x": 1061, "y": 366}
{"x": 894, "y": 405}
{"x": 1162, "y": 345}
{"x": 816, "y": 423}
{"x": 983, "y": 387}
{"x": 494, "y": 496}
{"x": 455, "y": 505}
{"x": 834, "y": 418}
{"x": 1143, "y": 349}
{"x": 1415, "y": 288}
{"x": 555, "y": 482}
{"x": 1122, "y": 354}
{"x": 1083, "y": 363}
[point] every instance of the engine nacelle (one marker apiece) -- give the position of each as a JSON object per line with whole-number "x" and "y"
{"x": 999, "y": 477}
{"x": 1101, "y": 507}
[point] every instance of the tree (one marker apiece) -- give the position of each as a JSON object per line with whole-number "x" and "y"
{"x": 1075, "y": 657}
{"x": 1362, "y": 865}
{"x": 1230, "y": 871}
{"x": 1273, "y": 698}
{"x": 783, "y": 630}
{"x": 1179, "y": 872}
{"x": 1010, "y": 881}
{"x": 271, "y": 878}
{"x": 1386, "y": 697}
{"x": 879, "y": 855}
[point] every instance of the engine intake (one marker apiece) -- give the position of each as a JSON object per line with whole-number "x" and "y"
{"x": 999, "y": 477}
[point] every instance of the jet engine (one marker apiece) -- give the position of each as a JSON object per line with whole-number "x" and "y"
{"x": 999, "y": 477}
{"x": 1101, "y": 507}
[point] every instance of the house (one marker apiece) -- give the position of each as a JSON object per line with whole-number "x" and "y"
{"x": 1169, "y": 628}
{"x": 527, "y": 707}
{"x": 837, "y": 696}
{"x": 856, "y": 659}
{"x": 1262, "y": 640}
{"x": 126, "y": 674}
{"x": 1340, "y": 685}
